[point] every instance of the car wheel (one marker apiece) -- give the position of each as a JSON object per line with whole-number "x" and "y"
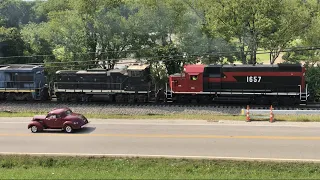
{"x": 34, "y": 129}
{"x": 68, "y": 129}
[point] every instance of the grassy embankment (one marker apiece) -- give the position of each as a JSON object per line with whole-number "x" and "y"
{"x": 181, "y": 116}
{"x": 27, "y": 167}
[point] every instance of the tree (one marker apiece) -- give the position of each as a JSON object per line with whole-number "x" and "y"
{"x": 255, "y": 24}
{"x": 160, "y": 31}
{"x": 293, "y": 21}
{"x": 116, "y": 34}
{"x": 16, "y": 13}
{"x": 36, "y": 39}
{"x": 11, "y": 45}
{"x": 309, "y": 39}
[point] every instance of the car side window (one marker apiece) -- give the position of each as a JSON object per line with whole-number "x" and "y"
{"x": 68, "y": 112}
{"x": 52, "y": 116}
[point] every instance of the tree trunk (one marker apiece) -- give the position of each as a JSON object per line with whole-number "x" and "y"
{"x": 242, "y": 53}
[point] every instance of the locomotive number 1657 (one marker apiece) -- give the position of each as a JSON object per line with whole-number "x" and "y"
{"x": 253, "y": 78}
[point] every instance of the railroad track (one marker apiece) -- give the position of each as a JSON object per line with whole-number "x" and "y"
{"x": 313, "y": 106}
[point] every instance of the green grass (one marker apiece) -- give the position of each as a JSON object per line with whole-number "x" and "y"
{"x": 261, "y": 58}
{"x": 181, "y": 116}
{"x": 265, "y": 58}
{"x": 36, "y": 167}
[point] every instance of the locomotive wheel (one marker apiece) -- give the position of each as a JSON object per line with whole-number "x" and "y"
{"x": 121, "y": 98}
{"x": 10, "y": 97}
{"x": 84, "y": 98}
{"x": 183, "y": 99}
{"x": 142, "y": 98}
{"x": 262, "y": 100}
{"x": 29, "y": 97}
{"x": 205, "y": 99}
{"x": 61, "y": 97}
{"x": 275, "y": 103}
{"x": 287, "y": 101}
{"x": 74, "y": 98}
{"x": 131, "y": 98}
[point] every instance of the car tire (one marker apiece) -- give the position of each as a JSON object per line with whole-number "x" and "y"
{"x": 68, "y": 129}
{"x": 34, "y": 129}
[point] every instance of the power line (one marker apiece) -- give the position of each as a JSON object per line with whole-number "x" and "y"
{"x": 219, "y": 52}
{"x": 161, "y": 58}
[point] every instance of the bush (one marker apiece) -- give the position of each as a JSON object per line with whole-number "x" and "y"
{"x": 313, "y": 80}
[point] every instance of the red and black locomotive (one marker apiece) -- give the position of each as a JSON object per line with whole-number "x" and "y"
{"x": 282, "y": 84}
{"x": 255, "y": 84}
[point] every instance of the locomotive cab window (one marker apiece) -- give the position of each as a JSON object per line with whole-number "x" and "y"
{"x": 135, "y": 73}
{"x": 193, "y": 77}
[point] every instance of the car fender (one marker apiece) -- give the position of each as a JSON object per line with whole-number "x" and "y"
{"x": 68, "y": 123}
{"x": 35, "y": 123}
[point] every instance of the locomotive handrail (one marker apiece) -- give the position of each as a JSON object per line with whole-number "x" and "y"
{"x": 83, "y": 83}
{"x": 91, "y": 83}
{"x": 15, "y": 85}
{"x": 18, "y": 81}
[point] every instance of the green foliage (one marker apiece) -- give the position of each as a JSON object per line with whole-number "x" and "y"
{"x": 75, "y": 34}
{"x": 291, "y": 21}
{"x": 313, "y": 80}
{"x": 269, "y": 24}
{"x": 11, "y": 44}
{"x": 171, "y": 56}
{"x": 116, "y": 34}
{"x": 310, "y": 56}
{"x": 16, "y": 13}
{"x": 36, "y": 41}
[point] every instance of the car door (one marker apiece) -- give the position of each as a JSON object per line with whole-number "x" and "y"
{"x": 50, "y": 120}
{"x": 59, "y": 121}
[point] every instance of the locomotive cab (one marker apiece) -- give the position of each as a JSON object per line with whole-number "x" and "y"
{"x": 139, "y": 77}
{"x": 190, "y": 80}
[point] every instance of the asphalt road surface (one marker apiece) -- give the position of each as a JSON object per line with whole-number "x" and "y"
{"x": 169, "y": 138}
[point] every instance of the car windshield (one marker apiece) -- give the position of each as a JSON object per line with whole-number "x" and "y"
{"x": 68, "y": 112}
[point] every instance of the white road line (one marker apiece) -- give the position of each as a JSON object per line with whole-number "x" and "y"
{"x": 14, "y": 122}
{"x": 172, "y": 124}
{"x": 160, "y": 156}
{"x": 185, "y": 123}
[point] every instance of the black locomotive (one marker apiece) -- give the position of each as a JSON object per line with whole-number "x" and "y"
{"x": 133, "y": 83}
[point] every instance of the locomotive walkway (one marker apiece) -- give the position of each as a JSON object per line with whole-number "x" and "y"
{"x": 170, "y": 138}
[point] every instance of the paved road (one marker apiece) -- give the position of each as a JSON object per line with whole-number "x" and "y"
{"x": 168, "y": 138}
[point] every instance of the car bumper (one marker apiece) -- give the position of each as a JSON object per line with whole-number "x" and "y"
{"x": 81, "y": 125}
{"x": 85, "y": 125}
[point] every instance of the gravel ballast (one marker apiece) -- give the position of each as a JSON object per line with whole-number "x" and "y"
{"x": 119, "y": 109}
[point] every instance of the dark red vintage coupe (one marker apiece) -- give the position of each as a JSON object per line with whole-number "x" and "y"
{"x": 61, "y": 118}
